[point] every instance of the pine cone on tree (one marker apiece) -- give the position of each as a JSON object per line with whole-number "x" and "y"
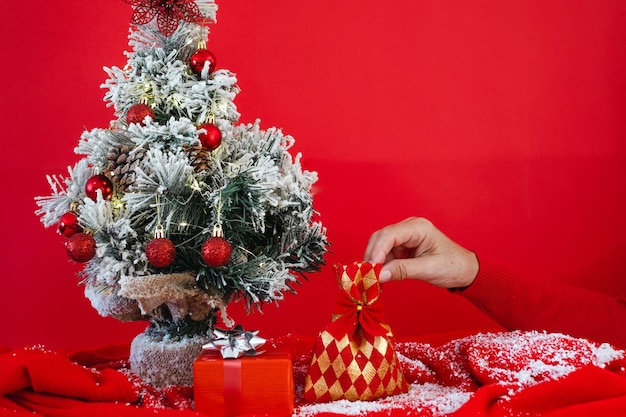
{"x": 122, "y": 164}
{"x": 199, "y": 157}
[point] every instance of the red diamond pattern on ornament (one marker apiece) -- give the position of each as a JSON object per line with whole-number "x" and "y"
{"x": 354, "y": 357}
{"x": 364, "y": 289}
{"x": 354, "y": 370}
{"x": 169, "y": 13}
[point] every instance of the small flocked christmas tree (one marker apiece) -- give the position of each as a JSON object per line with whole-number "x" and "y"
{"x": 177, "y": 209}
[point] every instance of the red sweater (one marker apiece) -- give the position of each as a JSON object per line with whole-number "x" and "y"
{"x": 538, "y": 305}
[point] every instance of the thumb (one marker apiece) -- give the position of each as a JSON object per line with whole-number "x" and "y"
{"x": 399, "y": 269}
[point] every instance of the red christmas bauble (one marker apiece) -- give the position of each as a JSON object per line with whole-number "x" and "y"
{"x": 216, "y": 251}
{"x": 68, "y": 225}
{"x": 138, "y": 112}
{"x": 199, "y": 58}
{"x": 212, "y": 139}
{"x": 160, "y": 252}
{"x": 99, "y": 182}
{"x": 81, "y": 247}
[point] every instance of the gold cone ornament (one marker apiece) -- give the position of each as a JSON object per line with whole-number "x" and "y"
{"x": 354, "y": 357}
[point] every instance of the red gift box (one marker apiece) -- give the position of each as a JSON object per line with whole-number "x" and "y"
{"x": 261, "y": 384}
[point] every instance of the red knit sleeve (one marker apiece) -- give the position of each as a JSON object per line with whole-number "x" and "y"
{"x": 519, "y": 304}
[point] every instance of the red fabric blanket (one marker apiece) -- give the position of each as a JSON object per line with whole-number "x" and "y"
{"x": 491, "y": 374}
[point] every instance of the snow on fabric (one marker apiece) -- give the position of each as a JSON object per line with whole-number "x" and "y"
{"x": 444, "y": 378}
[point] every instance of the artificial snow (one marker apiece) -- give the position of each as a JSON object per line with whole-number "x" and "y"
{"x": 439, "y": 400}
{"x": 516, "y": 360}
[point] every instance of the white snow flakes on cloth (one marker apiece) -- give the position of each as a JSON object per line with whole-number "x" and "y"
{"x": 444, "y": 378}
{"x": 437, "y": 399}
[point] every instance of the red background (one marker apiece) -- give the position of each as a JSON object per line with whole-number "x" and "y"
{"x": 503, "y": 122}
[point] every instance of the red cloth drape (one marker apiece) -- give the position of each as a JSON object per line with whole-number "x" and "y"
{"x": 488, "y": 367}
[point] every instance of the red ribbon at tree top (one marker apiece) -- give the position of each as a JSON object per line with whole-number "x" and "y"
{"x": 168, "y": 13}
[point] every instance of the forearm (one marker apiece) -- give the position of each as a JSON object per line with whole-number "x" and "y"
{"x": 537, "y": 305}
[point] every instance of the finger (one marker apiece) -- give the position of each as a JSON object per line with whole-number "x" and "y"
{"x": 375, "y": 252}
{"x": 407, "y": 233}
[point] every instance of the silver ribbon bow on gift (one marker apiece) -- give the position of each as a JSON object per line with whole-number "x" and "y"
{"x": 235, "y": 343}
